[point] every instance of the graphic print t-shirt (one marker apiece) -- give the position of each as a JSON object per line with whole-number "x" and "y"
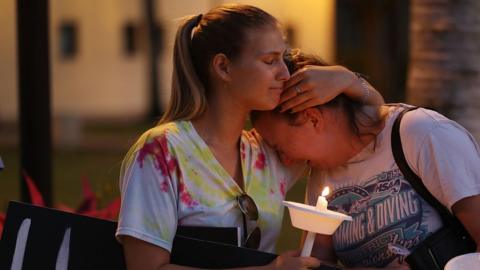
{"x": 389, "y": 217}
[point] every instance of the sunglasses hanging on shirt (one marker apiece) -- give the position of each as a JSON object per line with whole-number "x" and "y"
{"x": 249, "y": 211}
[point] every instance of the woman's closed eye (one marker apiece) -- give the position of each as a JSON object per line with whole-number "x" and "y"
{"x": 269, "y": 61}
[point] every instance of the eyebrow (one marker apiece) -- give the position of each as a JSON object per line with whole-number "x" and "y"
{"x": 276, "y": 53}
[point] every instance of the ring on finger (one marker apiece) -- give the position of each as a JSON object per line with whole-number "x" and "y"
{"x": 298, "y": 90}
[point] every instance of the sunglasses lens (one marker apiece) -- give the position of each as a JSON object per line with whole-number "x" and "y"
{"x": 253, "y": 239}
{"x": 248, "y": 207}
{"x": 249, "y": 210}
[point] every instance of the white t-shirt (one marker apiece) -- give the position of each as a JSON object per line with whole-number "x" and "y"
{"x": 170, "y": 177}
{"x": 386, "y": 210}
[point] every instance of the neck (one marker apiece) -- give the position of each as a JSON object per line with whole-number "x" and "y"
{"x": 222, "y": 123}
{"x": 369, "y": 133}
{"x": 349, "y": 144}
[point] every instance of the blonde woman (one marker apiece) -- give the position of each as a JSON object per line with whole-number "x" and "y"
{"x": 198, "y": 166}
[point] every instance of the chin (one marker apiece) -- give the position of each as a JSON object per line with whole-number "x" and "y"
{"x": 267, "y": 106}
{"x": 319, "y": 165}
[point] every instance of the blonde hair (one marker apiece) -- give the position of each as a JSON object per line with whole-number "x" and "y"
{"x": 188, "y": 99}
{"x": 198, "y": 40}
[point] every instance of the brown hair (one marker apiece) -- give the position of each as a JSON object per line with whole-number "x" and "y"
{"x": 356, "y": 116}
{"x": 198, "y": 40}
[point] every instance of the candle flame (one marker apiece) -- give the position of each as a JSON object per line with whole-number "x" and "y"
{"x": 325, "y": 191}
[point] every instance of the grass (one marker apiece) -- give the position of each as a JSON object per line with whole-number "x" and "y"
{"x": 101, "y": 166}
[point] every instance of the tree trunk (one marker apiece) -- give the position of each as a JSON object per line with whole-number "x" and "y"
{"x": 444, "y": 71}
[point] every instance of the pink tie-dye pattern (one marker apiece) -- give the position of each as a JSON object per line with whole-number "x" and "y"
{"x": 158, "y": 149}
{"x": 283, "y": 186}
{"x": 185, "y": 196}
{"x": 242, "y": 150}
{"x": 166, "y": 163}
{"x": 260, "y": 162}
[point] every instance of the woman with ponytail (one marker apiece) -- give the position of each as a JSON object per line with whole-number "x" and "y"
{"x": 199, "y": 167}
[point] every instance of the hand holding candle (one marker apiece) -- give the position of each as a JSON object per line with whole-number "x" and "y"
{"x": 315, "y": 219}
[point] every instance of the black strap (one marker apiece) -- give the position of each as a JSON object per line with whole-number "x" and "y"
{"x": 409, "y": 175}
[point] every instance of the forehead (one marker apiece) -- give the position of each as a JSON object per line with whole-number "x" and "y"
{"x": 264, "y": 40}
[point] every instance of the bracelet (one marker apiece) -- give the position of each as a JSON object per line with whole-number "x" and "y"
{"x": 365, "y": 87}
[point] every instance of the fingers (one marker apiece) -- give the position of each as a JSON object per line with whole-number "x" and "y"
{"x": 304, "y": 100}
{"x": 296, "y": 77}
{"x": 310, "y": 262}
{"x": 291, "y": 253}
{"x": 294, "y": 91}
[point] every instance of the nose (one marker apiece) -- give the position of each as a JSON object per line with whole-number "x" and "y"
{"x": 283, "y": 73}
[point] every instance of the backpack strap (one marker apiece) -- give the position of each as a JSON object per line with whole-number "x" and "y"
{"x": 408, "y": 173}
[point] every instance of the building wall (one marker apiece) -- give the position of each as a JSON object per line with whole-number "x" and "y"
{"x": 100, "y": 81}
{"x": 8, "y": 67}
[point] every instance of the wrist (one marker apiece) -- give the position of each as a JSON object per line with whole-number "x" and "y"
{"x": 364, "y": 86}
{"x": 360, "y": 88}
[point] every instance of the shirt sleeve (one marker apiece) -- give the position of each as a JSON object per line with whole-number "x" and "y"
{"x": 448, "y": 162}
{"x": 149, "y": 201}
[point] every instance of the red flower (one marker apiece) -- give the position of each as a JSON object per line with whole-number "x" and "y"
{"x": 35, "y": 196}
{"x": 2, "y": 221}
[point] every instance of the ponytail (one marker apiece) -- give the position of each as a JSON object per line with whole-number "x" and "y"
{"x": 188, "y": 99}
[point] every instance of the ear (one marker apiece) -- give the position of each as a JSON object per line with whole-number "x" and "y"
{"x": 221, "y": 66}
{"x": 314, "y": 117}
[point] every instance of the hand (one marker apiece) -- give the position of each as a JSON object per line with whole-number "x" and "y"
{"x": 315, "y": 85}
{"x": 399, "y": 267}
{"x": 291, "y": 260}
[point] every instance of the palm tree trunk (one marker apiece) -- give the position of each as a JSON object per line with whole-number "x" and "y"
{"x": 444, "y": 71}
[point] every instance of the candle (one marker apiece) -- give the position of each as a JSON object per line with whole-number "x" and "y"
{"x": 322, "y": 205}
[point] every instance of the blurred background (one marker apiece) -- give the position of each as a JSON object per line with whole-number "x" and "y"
{"x": 108, "y": 68}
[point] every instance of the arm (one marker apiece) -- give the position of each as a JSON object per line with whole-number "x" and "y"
{"x": 143, "y": 256}
{"x": 316, "y": 85}
{"x": 323, "y": 248}
{"x": 447, "y": 164}
{"x": 148, "y": 216}
{"x": 467, "y": 211}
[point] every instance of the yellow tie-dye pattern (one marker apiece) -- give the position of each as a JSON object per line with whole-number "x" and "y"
{"x": 208, "y": 183}
{"x": 154, "y": 225}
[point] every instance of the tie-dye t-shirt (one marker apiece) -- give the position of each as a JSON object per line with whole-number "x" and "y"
{"x": 170, "y": 177}
{"x": 389, "y": 217}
